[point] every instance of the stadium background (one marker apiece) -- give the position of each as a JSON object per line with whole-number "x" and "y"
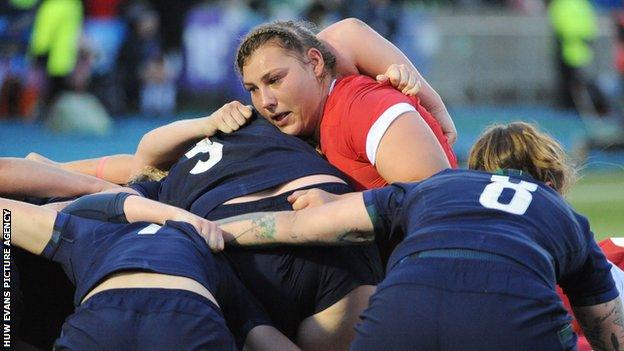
{"x": 490, "y": 60}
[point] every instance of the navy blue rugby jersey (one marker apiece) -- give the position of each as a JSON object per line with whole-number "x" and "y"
{"x": 510, "y": 215}
{"x": 90, "y": 250}
{"x": 257, "y": 157}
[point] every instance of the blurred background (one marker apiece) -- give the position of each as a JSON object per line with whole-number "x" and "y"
{"x": 82, "y": 79}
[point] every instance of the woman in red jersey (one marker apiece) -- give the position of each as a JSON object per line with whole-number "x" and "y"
{"x": 370, "y": 131}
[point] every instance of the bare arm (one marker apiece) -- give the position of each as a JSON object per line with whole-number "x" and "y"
{"x": 140, "y": 209}
{"x": 359, "y": 49}
{"x": 340, "y": 222}
{"x": 25, "y": 177}
{"x": 31, "y": 226}
{"x": 114, "y": 168}
{"x": 409, "y": 151}
{"x": 162, "y": 146}
{"x": 265, "y": 338}
{"x": 603, "y": 324}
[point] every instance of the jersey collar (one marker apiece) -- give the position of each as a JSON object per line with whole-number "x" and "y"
{"x": 513, "y": 172}
{"x": 331, "y": 86}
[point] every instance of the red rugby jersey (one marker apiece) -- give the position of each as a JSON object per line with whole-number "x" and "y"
{"x": 357, "y": 113}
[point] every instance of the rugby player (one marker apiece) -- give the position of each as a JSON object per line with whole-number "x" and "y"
{"x": 370, "y": 131}
{"x": 481, "y": 253}
{"x": 143, "y": 286}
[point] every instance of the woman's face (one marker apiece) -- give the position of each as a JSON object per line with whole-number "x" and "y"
{"x": 287, "y": 92}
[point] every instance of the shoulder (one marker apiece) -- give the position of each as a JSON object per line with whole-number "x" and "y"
{"x": 358, "y": 84}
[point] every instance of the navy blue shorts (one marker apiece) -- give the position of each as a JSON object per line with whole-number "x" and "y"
{"x": 146, "y": 319}
{"x": 463, "y": 304}
{"x": 296, "y": 282}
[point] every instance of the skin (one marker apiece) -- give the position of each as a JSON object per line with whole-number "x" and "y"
{"x": 115, "y": 168}
{"x": 603, "y": 324}
{"x": 351, "y": 40}
{"x": 32, "y": 228}
{"x": 280, "y": 82}
{"x": 19, "y": 177}
{"x": 345, "y": 221}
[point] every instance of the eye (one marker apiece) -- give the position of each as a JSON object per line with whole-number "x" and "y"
{"x": 274, "y": 80}
{"x": 251, "y": 89}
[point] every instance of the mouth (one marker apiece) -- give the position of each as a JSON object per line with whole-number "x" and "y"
{"x": 280, "y": 118}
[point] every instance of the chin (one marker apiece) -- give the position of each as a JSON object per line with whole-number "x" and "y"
{"x": 290, "y": 130}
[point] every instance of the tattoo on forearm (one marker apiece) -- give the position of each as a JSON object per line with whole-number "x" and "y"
{"x": 262, "y": 226}
{"x": 599, "y": 330}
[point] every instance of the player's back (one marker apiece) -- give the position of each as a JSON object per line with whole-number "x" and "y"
{"x": 91, "y": 250}
{"x": 255, "y": 158}
{"x": 509, "y": 214}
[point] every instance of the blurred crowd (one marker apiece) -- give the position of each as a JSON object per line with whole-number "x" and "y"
{"x": 100, "y": 58}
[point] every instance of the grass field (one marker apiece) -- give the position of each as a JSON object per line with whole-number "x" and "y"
{"x": 600, "y": 197}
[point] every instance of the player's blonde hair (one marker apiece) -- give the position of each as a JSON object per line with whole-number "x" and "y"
{"x": 148, "y": 173}
{"x": 522, "y": 146}
{"x": 295, "y": 37}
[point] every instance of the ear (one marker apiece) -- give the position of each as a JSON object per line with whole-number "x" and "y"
{"x": 316, "y": 59}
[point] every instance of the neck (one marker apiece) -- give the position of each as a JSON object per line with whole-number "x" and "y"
{"x": 324, "y": 91}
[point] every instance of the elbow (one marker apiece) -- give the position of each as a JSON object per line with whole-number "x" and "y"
{"x": 337, "y": 30}
{"x": 352, "y": 23}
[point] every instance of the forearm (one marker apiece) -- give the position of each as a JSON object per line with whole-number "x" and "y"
{"x": 264, "y": 338}
{"x": 339, "y": 222}
{"x": 26, "y": 177}
{"x": 602, "y": 324}
{"x": 164, "y": 145}
{"x": 115, "y": 168}
{"x": 140, "y": 209}
{"x": 31, "y": 226}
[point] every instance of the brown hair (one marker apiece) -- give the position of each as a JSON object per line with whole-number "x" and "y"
{"x": 522, "y": 146}
{"x": 297, "y": 37}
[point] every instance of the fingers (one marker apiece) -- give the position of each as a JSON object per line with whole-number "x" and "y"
{"x": 213, "y": 235}
{"x": 451, "y": 137}
{"x": 310, "y": 198}
{"x": 300, "y": 199}
{"x": 402, "y": 78}
{"x": 394, "y": 75}
{"x": 295, "y": 195}
{"x": 414, "y": 89}
{"x": 413, "y": 85}
{"x": 247, "y": 111}
{"x": 301, "y": 203}
{"x": 231, "y": 116}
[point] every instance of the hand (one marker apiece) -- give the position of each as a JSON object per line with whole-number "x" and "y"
{"x": 409, "y": 82}
{"x": 402, "y": 78}
{"x": 207, "y": 229}
{"x": 229, "y": 118}
{"x": 301, "y": 199}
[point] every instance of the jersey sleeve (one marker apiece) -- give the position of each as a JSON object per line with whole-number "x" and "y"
{"x": 371, "y": 113}
{"x": 240, "y": 308}
{"x": 148, "y": 189}
{"x": 384, "y": 207}
{"x": 592, "y": 283}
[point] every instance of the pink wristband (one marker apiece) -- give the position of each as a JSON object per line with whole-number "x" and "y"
{"x": 99, "y": 172}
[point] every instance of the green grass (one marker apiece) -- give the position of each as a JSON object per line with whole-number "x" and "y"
{"x": 600, "y": 197}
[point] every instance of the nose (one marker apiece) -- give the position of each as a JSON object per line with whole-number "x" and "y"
{"x": 269, "y": 102}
